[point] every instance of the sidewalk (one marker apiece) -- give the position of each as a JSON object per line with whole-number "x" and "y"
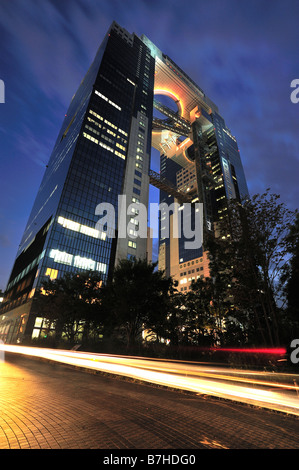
{"x": 50, "y": 406}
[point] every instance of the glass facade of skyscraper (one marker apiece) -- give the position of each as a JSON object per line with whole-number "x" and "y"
{"x": 102, "y": 151}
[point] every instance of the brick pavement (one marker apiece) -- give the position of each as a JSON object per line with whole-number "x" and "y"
{"x": 49, "y": 406}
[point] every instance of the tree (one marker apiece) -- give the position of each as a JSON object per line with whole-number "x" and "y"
{"x": 136, "y": 298}
{"x": 71, "y": 304}
{"x": 290, "y": 278}
{"x": 253, "y": 237}
{"x": 199, "y": 320}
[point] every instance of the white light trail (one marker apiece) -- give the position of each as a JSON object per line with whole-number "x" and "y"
{"x": 251, "y": 387}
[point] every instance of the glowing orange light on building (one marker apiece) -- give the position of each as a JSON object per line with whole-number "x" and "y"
{"x": 184, "y": 142}
{"x": 31, "y": 293}
{"x": 172, "y": 95}
{"x": 186, "y": 156}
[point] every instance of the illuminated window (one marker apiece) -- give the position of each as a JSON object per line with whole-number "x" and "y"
{"x": 84, "y": 263}
{"x": 70, "y": 224}
{"x": 96, "y": 115}
{"x": 77, "y": 261}
{"x": 91, "y": 232}
{"x": 133, "y": 233}
{"x": 89, "y": 137}
{"x": 94, "y": 122}
{"x": 102, "y": 96}
{"x": 106, "y": 147}
{"x": 106, "y": 99}
{"x": 110, "y": 124}
{"x": 35, "y": 333}
{"x": 120, "y": 146}
{"x": 124, "y": 141}
{"x": 132, "y": 244}
{"x": 111, "y": 133}
{"x": 115, "y": 105}
{"x": 61, "y": 257}
{"x": 130, "y": 81}
{"x": 102, "y": 267}
{"x": 122, "y": 132}
{"x": 38, "y": 322}
{"x": 120, "y": 155}
{"x": 53, "y": 273}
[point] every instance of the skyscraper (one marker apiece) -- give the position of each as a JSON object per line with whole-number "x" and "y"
{"x": 103, "y": 151}
{"x": 199, "y": 162}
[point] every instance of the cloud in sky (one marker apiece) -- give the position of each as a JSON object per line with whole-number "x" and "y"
{"x": 244, "y": 55}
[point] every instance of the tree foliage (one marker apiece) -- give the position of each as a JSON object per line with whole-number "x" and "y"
{"x": 71, "y": 303}
{"x": 290, "y": 278}
{"x": 135, "y": 299}
{"x": 253, "y": 238}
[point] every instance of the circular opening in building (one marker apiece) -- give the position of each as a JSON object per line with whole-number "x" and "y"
{"x": 167, "y": 101}
{"x": 190, "y": 152}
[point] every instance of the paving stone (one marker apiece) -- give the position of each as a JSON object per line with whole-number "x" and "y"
{"x": 50, "y": 406}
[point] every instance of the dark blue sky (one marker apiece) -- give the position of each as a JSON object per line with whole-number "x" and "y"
{"x": 243, "y": 54}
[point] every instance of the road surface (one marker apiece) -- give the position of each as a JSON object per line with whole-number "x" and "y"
{"x": 275, "y": 391}
{"x": 51, "y": 406}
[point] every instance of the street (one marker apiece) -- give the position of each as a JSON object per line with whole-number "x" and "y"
{"x": 51, "y": 406}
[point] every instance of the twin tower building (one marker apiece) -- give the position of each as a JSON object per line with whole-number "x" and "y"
{"x": 132, "y": 98}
